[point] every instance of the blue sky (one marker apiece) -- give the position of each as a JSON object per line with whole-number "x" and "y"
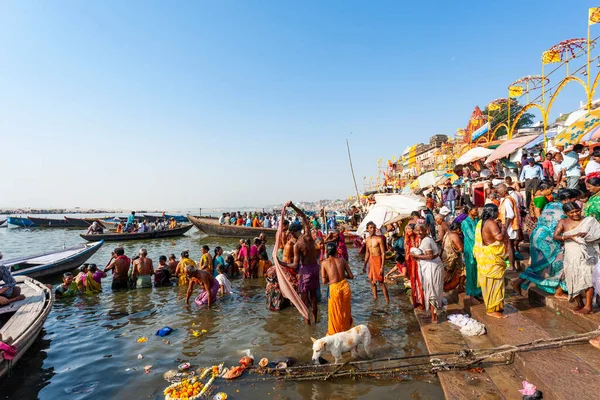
{"x": 148, "y": 104}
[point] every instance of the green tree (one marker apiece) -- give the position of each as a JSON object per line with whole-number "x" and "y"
{"x": 501, "y": 116}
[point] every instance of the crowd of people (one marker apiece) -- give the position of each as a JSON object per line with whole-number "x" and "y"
{"x": 133, "y": 225}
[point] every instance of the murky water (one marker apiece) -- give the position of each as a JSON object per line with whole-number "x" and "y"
{"x": 93, "y": 340}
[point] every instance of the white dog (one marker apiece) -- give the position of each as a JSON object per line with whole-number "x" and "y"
{"x": 342, "y": 342}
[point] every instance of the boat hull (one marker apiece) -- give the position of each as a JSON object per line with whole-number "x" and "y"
{"x": 56, "y": 268}
{"x": 22, "y": 222}
{"x": 31, "y": 318}
{"x": 2, "y": 221}
{"x": 50, "y": 223}
{"x": 211, "y": 227}
{"x": 78, "y": 222}
{"x": 119, "y": 237}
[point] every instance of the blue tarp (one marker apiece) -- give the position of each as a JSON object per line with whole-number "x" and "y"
{"x": 540, "y": 139}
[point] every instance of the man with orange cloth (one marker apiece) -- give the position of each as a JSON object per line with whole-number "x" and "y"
{"x": 375, "y": 259}
{"x": 339, "y": 309}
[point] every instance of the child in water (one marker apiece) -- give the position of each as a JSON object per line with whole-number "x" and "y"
{"x": 224, "y": 284}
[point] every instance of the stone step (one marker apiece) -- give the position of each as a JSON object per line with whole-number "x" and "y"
{"x": 556, "y": 325}
{"x": 558, "y": 372}
{"x": 445, "y": 337}
{"x": 589, "y": 321}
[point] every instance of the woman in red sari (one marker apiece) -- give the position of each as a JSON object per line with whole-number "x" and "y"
{"x": 416, "y": 289}
{"x": 341, "y": 244}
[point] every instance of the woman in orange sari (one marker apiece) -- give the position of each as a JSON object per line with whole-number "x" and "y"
{"x": 416, "y": 289}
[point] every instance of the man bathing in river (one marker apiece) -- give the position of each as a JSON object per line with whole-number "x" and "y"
{"x": 120, "y": 267}
{"x": 143, "y": 270}
{"x": 375, "y": 259}
{"x": 206, "y": 281}
{"x": 305, "y": 261}
{"x": 335, "y": 271}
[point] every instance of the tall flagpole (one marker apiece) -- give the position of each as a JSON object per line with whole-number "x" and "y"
{"x": 589, "y": 73}
{"x": 352, "y": 169}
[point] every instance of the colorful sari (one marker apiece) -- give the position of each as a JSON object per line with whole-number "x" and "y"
{"x": 91, "y": 286}
{"x": 592, "y": 207}
{"x": 491, "y": 265}
{"x": 547, "y": 255}
{"x": 416, "y": 288}
{"x": 472, "y": 284}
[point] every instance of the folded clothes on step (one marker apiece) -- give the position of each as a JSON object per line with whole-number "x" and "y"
{"x": 468, "y": 326}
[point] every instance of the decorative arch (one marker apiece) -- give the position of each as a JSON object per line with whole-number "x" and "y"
{"x": 561, "y": 86}
{"x": 523, "y": 111}
{"x": 498, "y": 127}
{"x": 593, "y": 88}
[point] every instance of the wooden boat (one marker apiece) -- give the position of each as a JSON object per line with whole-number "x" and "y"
{"x": 211, "y": 227}
{"x": 2, "y": 221}
{"x": 21, "y": 221}
{"x": 78, "y": 222}
{"x": 178, "y": 218}
{"x": 50, "y": 222}
{"x": 52, "y": 263}
{"x": 112, "y": 237}
{"x": 22, "y": 321}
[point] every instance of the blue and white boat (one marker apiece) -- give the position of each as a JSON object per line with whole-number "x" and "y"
{"x": 52, "y": 263}
{"x": 23, "y": 222}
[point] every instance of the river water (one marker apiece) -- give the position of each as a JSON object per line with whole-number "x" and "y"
{"x": 91, "y": 342}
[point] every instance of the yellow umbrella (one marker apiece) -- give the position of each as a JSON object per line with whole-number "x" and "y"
{"x": 577, "y": 130}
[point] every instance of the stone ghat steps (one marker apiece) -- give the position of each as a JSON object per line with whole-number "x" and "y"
{"x": 562, "y": 306}
{"x": 496, "y": 381}
{"x": 561, "y": 373}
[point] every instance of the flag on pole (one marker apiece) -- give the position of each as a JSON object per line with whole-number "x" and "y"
{"x": 551, "y": 56}
{"x": 494, "y": 106}
{"x": 515, "y": 91}
{"x": 594, "y": 15}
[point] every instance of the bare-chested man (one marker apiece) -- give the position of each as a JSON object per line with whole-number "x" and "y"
{"x": 143, "y": 270}
{"x": 209, "y": 285}
{"x": 305, "y": 261}
{"x": 285, "y": 237}
{"x": 120, "y": 266}
{"x": 335, "y": 271}
{"x": 173, "y": 264}
{"x": 375, "y": 258}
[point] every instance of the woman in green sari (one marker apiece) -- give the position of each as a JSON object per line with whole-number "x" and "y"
{"x": 472, "y": 287}
{"x": 546, "y": 267}
{"x": 592, "y": 207}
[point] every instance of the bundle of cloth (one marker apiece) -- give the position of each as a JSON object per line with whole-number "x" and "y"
{"x": 468, "y": 326}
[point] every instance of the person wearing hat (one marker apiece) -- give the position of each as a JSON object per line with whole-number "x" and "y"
{"x": 532, "y": 175}
{"x": 305, "y": 262}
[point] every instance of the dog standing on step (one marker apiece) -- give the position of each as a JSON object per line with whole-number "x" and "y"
{"x": 342, "y": 342}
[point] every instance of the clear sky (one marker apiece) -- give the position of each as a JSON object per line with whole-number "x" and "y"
{"x": 156, "y": 104}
